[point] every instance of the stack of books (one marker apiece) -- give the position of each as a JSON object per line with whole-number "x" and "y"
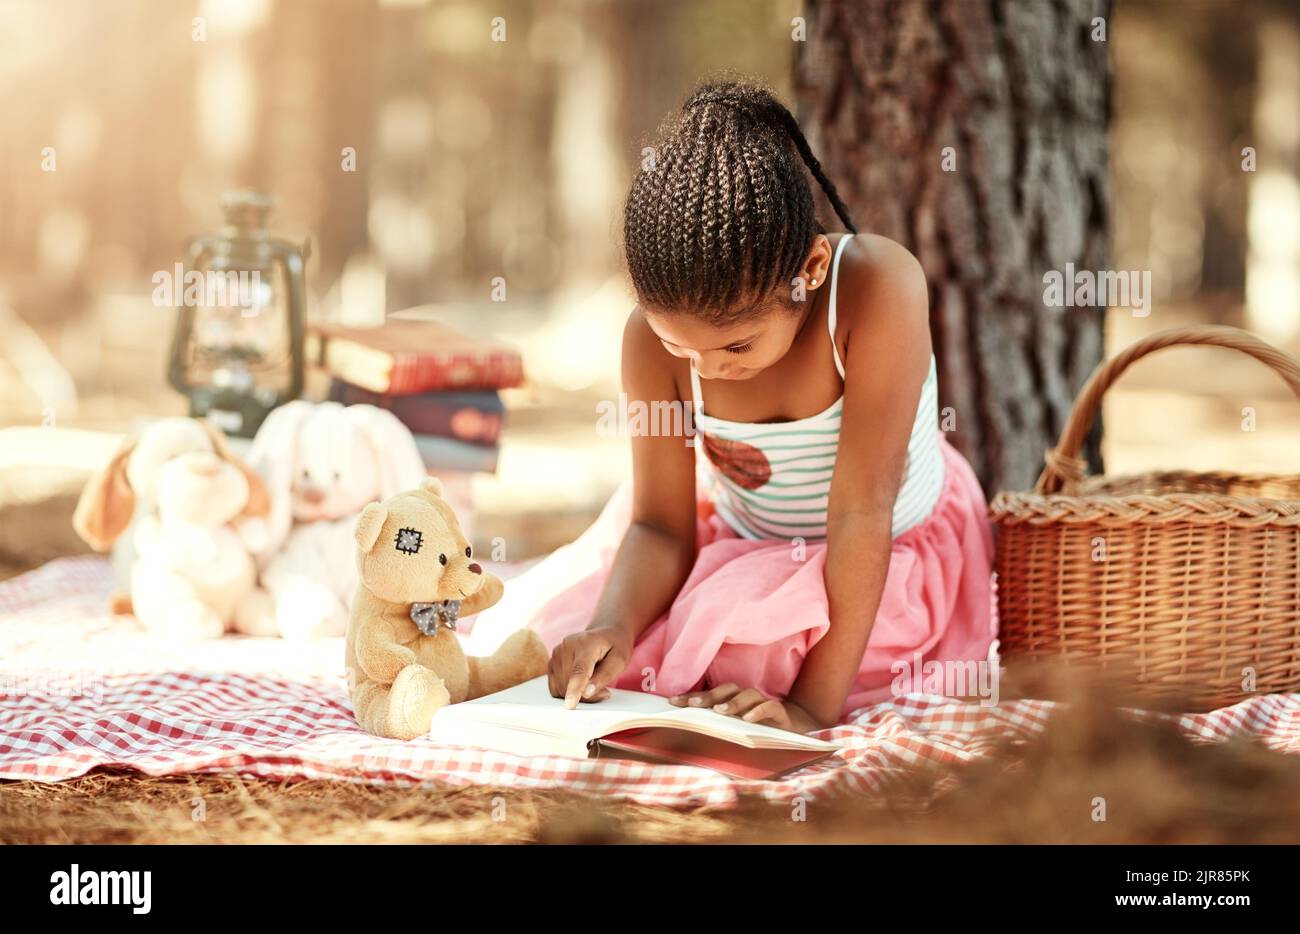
{"x": 442, "y": 384}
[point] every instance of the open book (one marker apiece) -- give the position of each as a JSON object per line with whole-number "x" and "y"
{"x": 526, "y": 720}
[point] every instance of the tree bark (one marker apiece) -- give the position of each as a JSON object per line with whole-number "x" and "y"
{"x": 1020, "y": 91}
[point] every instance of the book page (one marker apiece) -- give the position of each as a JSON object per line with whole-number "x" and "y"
{"x": 530, "y": 707}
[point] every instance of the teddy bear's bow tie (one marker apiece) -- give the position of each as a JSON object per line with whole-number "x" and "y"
{"x": 429, "y": 616}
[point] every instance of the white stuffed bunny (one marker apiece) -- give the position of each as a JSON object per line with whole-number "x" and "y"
{"x": 189, "y": 567}
{"x": 322, "y": 463}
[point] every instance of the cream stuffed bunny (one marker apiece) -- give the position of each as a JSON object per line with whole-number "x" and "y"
{"x": 322, "y": 463}
{"x": 190, "y": 569}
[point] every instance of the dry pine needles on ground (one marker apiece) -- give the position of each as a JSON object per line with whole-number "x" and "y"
{"x": 1151, "y": 784}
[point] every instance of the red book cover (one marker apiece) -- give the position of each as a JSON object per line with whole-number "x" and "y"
{"x": 404, "y": 357}
{"x": 660, "y": 744}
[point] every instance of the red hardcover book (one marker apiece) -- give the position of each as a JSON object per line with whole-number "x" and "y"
{"x": 475, "y": 416}
{"x": 403, "y": 357}
{"x": 681, "y": 747}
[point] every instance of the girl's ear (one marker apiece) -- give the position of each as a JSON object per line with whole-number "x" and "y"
{"x": 816, "y": 270}
{"x": 369, "y": 524}
{"x": 107, "y": 503}
{"x": 259, "y": 500}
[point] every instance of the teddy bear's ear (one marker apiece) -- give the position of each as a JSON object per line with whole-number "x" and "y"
{"x": 369, "y": 524}
{"x": 431, "y": 485}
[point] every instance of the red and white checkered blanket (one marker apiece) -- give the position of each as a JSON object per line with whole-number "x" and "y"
{"x": 80, "y": 689}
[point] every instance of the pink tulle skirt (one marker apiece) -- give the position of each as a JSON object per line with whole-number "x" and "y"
{"x": 748, "y": 613}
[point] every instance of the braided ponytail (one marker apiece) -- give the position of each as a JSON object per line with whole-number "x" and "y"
{"x": 766, "y": 107}
{"x": 724, "y": 215}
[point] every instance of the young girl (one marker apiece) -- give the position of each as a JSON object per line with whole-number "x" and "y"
{"x": 819, "y": 528}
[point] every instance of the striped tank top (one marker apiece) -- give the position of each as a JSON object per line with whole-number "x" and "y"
{"x": 772, "y": 480}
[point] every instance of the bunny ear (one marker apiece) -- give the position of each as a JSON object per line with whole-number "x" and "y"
{"x": 107, "y": 502}
{"x": 272, "y": 457}
{"x": 259, "y": 500}
{"x": 398, "y": 465}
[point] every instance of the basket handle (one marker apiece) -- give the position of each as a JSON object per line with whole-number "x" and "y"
{"x": 1063, "y": 464}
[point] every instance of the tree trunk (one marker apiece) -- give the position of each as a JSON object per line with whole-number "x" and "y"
{"x": 1020, "y": 91}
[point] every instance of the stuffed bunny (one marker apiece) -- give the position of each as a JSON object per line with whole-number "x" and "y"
{"x": 184, "y": 495}
{"x": 322, "y": 463}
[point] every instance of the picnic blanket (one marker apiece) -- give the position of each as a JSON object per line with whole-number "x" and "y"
{"x": 80, "y": 689}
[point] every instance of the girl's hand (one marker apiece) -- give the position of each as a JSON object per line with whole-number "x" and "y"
{"x": 584, "y": 665}
{"x": 749, "y": 704}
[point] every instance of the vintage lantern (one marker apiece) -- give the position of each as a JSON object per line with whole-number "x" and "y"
{"x": 237, "y": 351}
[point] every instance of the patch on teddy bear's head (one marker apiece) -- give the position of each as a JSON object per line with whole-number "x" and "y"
{"x": 409, "y": 541}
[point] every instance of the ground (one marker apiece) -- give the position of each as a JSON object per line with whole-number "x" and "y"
{"x": 1095, "y": 775}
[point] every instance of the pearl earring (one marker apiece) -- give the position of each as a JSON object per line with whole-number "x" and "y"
{"x": 814, "y": 282}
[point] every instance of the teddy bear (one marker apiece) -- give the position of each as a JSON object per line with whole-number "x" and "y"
{"x": 418, "y": 576}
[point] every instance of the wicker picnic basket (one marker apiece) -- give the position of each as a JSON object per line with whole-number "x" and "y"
{"x": 1190, "y": 582}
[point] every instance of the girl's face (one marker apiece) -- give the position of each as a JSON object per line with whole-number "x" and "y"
{"x": 734, "y": 351}
{"x": 759, "y": 339}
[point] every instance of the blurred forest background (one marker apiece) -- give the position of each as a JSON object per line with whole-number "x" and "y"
{"x": 478, "y": 158}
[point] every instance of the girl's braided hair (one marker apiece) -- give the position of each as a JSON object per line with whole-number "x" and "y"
{"x": 722, "y": 213}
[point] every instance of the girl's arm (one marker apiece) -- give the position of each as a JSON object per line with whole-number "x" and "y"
{"x": 887, "y": 360}
{"x": 658, "y": 550}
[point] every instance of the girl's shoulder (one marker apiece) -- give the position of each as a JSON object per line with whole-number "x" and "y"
{"x": 882, "y": 293}
{"x": 877, "y": 273}
{"x": 647, "y": 366}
